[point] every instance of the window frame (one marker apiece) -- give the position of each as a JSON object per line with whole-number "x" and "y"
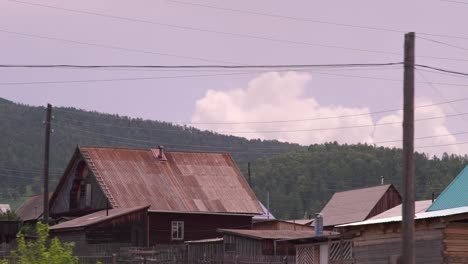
{"x": 175, "y": 227}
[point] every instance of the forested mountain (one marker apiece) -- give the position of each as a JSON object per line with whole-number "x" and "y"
{"x": 22, "y": 142}
{"x": 299, "y": 179}
{"x": 301, "y": 182}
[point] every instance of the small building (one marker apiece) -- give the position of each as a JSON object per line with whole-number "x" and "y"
{"x": 119, "y": 226}
{"x": 261, "y": 242}
{"x": 4, "y": 208}
{"x": 359, "y": 204}
{"x": 31, "y": 209}
{"x": 190, "y": 194}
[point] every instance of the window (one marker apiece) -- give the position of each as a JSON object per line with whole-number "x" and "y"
{"x": 177, "y": 230}
{"x": 88, "y": 196}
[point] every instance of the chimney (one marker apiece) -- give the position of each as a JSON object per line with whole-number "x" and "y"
{"x": 159, "y": 153}
{"x": 318, "y": 224}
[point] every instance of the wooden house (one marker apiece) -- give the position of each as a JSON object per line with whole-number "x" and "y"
{"x": 189, "y": 194}
{"x": 441, "y": 234}
{"x": 359, "y": 204}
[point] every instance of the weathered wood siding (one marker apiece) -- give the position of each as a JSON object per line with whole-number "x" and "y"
{"x": 390, "y": 199}
{"x": 456, "y": 243}
{"x": 280, "y": 225}
{"x": 236, "y": 245}
{"x": 60, "y": 206}
{"x": 198, "y": 252}
{"x": 377, "y": 243}
{"x": 196, "y": 226}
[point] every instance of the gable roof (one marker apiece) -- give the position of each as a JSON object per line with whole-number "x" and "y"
{"x": 454, "y": 195}
{"x": 32, "y": 208}
{"x": 180, "y": 182}
{"x": 95, "y": 218}
{"x": 353, "y": 205}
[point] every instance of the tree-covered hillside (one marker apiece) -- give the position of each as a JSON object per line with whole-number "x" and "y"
{"x": 22, "y": 142}
{"x": 301, "y": 182}
{"x": 299, "y": 179}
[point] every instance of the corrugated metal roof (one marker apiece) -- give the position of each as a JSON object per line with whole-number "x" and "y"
{"x": 96, "y": 217}
{"x": 267, "y": 215}
{"x": 209, "y": 240}
{"x": 422, "y": 215}
{"x": 454, "y": 195}
{"x": 186, "y": 182}
{"x": 32, "y": 208}
{"x": 419, "y": 207}
{"x": 306, "y": 222}
{"x": 352, "y": 206}
{"x": 269, "y": 234}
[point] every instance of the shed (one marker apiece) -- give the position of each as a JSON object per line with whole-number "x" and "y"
{"x": 261, "y": 242}
{"x": 359, "y": 204}
{"x": 120, "y": 225}
{"x": 31, "y": 209}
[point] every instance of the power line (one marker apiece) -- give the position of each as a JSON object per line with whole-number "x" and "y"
{"x": 311, "y": 20}
{"x": 269, "y": 121}
{"x": 443, "y": 43}
{"x": 112, "y": 47}
{"x": 204, "y": 29}
{"x": 268, "y": 66}
{"x": 441, "y": 70}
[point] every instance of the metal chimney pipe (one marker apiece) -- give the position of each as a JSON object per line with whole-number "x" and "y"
{"x": 318, "y": 224}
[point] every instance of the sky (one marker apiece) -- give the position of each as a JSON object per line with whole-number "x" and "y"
{"x": 242, "y": 103}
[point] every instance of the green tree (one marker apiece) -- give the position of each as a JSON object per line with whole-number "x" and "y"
{"x": 39, "y": 252}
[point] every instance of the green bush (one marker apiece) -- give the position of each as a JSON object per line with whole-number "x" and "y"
{"x": 40, "y": 252}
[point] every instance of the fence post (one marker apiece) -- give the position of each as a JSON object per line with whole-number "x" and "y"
{"x": 285, "y": 260}
{"x": 114, "y": 258}
{"x": 236, "y": 260}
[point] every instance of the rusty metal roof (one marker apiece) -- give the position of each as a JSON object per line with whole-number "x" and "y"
{"x": 32, "y": 208}
{"x": 96, "y": 217}
{"x": 184, "y": 182}
{"x": 306, "y": 222}
{"x": 353, "y": 205}
{"x": 270, "y": 234}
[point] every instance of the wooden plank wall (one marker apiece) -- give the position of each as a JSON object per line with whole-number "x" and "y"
{"x": 456, "y": 243}
{"x": 378, "y": 243}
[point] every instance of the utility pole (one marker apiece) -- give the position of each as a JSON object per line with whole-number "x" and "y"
{"x": 46, "y": 163}
{"x": 408, "y": 255}
{"x": 250, "y": 176}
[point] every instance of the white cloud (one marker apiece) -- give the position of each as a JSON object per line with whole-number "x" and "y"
{"x": 280, "y": 96}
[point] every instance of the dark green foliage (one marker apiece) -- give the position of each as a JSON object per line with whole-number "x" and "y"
{"x": 299, "y": 180}
{"x": 303, "y": 181}
{"x": 22, "y": 143}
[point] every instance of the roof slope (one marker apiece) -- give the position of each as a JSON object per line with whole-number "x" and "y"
{"x": 185, "y": 182}
{"x": 97, "y": 217}
{"x": 454, "y": 195}
{"x": 419, "y": 207}
{"x": 32, "y": 208}
{"x": 352, "y": 206}
{"x": 268, "y": 234}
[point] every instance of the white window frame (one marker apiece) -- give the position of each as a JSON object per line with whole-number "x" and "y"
{"x": 175, "y": 227}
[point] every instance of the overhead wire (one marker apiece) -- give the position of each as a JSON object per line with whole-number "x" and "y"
{"x": 303, "y": 19}
{"x": 191, "y": 28}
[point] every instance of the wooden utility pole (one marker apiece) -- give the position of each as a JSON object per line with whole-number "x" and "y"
{"x": 250, "y": 176}
{"x": 408, "y": 255}
{"x": 46, "y": 163}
